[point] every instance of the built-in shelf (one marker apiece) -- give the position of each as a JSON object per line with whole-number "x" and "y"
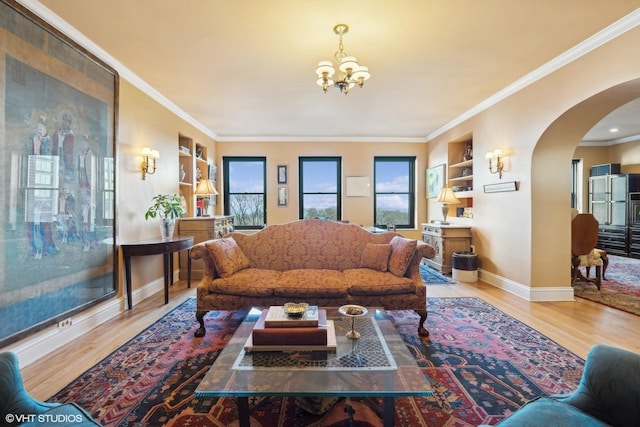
{"x": 461, "y": 178}
{"x": 192, "y": 156}
{"x": 460, "y": 175}
{"x": 464, "y": 164}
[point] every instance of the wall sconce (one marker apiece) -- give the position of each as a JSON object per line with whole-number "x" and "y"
{"x": 499, "y": 165}
{"x": 205, "y": 189}
{"x": 446, "y": 197}
{"x": 149, "y": 165}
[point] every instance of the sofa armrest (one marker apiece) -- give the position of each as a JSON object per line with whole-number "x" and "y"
{"x": 201, "y": 252}
{"x": 610, "y": 386}
{"x": 423, "y": 250}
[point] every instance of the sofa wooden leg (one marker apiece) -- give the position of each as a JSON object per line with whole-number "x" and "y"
{"x": 200, "y": 317}
{"x": 423, "y": 317}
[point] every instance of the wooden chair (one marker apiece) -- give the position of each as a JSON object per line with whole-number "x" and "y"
{"x": 584, "y": 238}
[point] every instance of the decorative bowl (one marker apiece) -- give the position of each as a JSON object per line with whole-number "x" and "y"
{"x": 295, "y": 309}
{"x": 352, "y": 310}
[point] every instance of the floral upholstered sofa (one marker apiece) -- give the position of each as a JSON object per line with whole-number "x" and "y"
{"x": 319, "y": 262}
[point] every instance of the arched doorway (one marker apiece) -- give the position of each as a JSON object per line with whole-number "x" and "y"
{"x": 550, "y": 168}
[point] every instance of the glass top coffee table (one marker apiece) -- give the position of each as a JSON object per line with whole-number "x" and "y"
{"x": 377, "y": 364}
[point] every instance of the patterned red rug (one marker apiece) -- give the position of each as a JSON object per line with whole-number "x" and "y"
{"x": 621, "y": 289}
{"x": 482, "y": 363}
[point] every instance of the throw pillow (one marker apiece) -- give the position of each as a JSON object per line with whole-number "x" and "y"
{"x": 401, "y": 253}
{"x": 376, "y": 256}
{"x": 227, "y": 256}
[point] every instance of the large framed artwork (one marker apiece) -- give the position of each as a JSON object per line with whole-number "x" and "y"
{"x": 58, "y": 120}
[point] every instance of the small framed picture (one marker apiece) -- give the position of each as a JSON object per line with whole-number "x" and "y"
{"x": 282, "y": 196}
{"x": 282, "y": 174}
{"x": 500, "y": 187}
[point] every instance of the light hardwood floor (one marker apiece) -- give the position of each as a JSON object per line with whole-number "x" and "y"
{"x": 575, "y": 325}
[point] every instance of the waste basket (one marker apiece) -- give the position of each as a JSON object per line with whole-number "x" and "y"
{"x": 464, "y": 266}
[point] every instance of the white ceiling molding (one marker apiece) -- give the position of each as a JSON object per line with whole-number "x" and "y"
{"x": 68, "y": 30}
{"x": 614, "y": 30}
{"x": 601, "y": 37}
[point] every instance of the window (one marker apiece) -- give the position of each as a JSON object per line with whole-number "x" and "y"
{"x": 576, "y": 184}
{"x": 320, "y": 192}
{"x": 394, "y": 191}
{"x": 245, "y": 191}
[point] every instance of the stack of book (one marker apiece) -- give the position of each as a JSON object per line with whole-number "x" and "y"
{"x": 275, "y": 331}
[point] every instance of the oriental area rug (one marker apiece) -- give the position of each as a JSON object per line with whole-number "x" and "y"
{"x": 620, "y": 290}
{"x": 482, "y": 365}
{"x": 432, "y": 277}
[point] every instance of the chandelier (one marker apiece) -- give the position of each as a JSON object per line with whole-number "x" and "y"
{"x": 350, "y": 73}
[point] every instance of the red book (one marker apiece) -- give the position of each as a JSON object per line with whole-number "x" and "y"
{"x": 262, "y": 335}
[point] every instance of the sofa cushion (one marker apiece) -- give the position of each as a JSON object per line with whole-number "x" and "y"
{"x": 73, "y": 413}
{"x": 365, "y": 281}
{"x": 250, "y": 282}
{"x": 311, "y": 283}
{"x": 402, "y": 250}
{"x": 549, "y": 412}
{"x": 227, "y": 256}
{"x": 375, "y": 256}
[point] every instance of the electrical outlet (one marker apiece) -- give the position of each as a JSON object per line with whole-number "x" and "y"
{"x": 64, "y": 323}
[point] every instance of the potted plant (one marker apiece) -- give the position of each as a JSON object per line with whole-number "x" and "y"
{"x": 168, "y": 208}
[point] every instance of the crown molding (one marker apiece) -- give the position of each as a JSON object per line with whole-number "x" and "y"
{"x": 124, "y": 72}
{"x": 603, "y": 36}
{"x": 322, "y": 139}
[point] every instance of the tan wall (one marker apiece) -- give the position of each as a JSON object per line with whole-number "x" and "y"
{"x": 144, "y": 122}
{"x": 523, "y": 237}
{"x": 357, "y": 160}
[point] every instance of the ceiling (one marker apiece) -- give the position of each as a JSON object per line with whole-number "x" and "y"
{"x": 245, "y": 69}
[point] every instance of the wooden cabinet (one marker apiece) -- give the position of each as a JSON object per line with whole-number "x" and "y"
{"x": 446, "y": 239}
{"x": 192, "y": 157}
{"x": 460, "y": 173}
{"x": 201, "y": 228}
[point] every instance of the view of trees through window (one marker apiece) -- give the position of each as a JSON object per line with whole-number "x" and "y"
{"x": 394, "y": 191}
{"x": 245, "y": 191}
{"x": 320, "y": 194}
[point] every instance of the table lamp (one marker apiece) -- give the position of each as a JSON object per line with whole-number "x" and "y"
{"x": 205, "y": 189}
{"x": 446, "y": 197}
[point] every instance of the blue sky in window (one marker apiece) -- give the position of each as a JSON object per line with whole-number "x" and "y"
{"x": 392, "y": 177}
{"x": 247, "y": 177}
{"x": 320, "y": 177}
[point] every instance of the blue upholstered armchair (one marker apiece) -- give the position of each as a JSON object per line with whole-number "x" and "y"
{"x": 608, "y": 395}
{"x": 17, "y": 407}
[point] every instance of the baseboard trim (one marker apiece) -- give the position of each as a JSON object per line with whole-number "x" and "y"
{"x": 52, "y": 338}
{"x": 547, "y": 293}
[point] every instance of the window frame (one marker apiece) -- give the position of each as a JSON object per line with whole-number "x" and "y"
{"x": 226, "y": 161}
{"x": 411, "y": 161}
{"x": 307, "y": 159}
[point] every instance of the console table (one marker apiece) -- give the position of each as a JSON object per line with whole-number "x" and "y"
{"x": 156, "y": 246}
{"x": 446, "y": 239}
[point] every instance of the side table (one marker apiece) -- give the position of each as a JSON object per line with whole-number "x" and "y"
{"x": 446, "y": 239}
{"x": 156, "y": 246}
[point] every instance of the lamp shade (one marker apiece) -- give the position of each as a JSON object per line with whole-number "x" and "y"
{"x": 348, "y": 63}
{"x": 205, "y": 188}
{"x": 362, "y": 73}
{"x": 446, "y": 197}
{"x": 148, "y": 152}
{"x": 325, "y": 67}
